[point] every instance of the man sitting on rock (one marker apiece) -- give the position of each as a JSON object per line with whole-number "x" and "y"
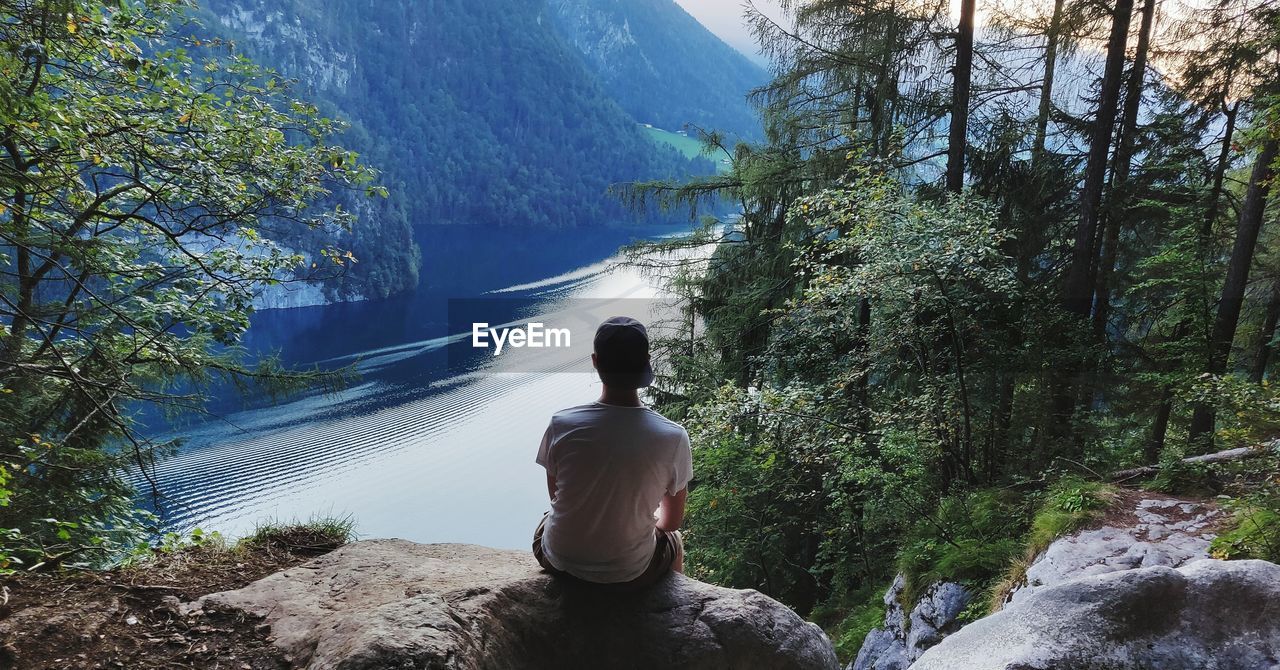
{"x": 609, "y": 465}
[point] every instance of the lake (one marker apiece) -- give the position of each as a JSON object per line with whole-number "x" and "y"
{"x": 421, "y": 446}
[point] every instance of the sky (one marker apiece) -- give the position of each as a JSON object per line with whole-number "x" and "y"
{"x": 724, "y": 18}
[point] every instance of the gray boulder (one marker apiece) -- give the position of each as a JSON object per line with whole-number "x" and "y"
{"x": 882, "y": 649}
{"x": 1207, "y": 615}
{"x": 905, "y": 637}
{"x": 390, "y": 604}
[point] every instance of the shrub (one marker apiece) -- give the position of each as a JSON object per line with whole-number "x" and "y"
{"x": 1255, "y": 526}
{"x": 973, "y": 538}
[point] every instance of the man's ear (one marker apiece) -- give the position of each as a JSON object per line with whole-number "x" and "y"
{"x": 594, "y": 365}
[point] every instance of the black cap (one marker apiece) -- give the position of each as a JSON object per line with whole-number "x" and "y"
{"x": 622, "y": 353}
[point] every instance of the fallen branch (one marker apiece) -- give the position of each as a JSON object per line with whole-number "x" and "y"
{"x": 1239, "y": 454}
{"x": 147, "y": 587}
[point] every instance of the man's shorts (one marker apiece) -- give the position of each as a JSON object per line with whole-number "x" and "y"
{"x": 669, "y": 546}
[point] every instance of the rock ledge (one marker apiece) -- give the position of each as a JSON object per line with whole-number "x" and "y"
{"x": 398, "y": 604}
{"x": 1206, "y": 615}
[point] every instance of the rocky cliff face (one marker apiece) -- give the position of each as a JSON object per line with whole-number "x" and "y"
{"x": 604, "y": 39}
{"x": 324, "y": 64}
{"x": 906, "y": 636}
{"x": 396, "y": 604}
{"x": 661, "y": 65}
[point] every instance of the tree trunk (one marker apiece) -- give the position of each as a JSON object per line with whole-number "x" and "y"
{"x": 863, "y": 385}
{"x": 1046, "y": 88}
{"x": 21, "y": 320}
{"x": 1159, "y": 427}
{"x": 1263, "y": 357}
{"x": 1219, "y": 175}
{"x": 1078, "y": 289}
{"x": 1120, "y": 172}
{"x": 1004, "y": 421}
{"x": 1227, "y": 456}
{"x": 857, "y": 392}
{"x": 1224, "y": 324}
{"x": 881, "y": 99}
{"x": 963, "y": 76}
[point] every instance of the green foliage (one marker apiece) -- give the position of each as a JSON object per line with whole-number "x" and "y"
{"x": 317, "y": 535}
{"x": 936, "y": 276}
{"x": 1256, "y": 534}
{"x": 1247, "y": 412}
{"x": 869, "y": 349}
{"x": 1179, "y": 477}
{"x": 976, "y": 609}
{"x": 782, "y": 496}
{"x": 971, "y": 539}
{"x": 1255, "y": 525}
{"x": 173, "y": 542}
{"x": 848, "y": 622}
{"x": 148, "y": 174}
{"x": 858, "y": 323}
{"x": 1068, "y": 505}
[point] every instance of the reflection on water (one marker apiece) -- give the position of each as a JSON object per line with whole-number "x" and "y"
{"x": 410, "y": 450}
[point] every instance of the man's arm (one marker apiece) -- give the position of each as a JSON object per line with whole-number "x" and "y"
{"x": 671, "y": 512}
{"x": 551, "y": 489}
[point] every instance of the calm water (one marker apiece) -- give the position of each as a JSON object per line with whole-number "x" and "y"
{"x": 414, "y": 448}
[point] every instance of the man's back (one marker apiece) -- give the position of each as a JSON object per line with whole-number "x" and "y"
{"x": 612, "y": 465}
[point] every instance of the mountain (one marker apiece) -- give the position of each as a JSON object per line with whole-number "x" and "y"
{"x": 661, "y": 65}
{"x": 476, "y": 112}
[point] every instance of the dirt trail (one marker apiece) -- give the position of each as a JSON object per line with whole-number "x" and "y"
{"x": 1142, "y": 530}
{"x": 130, "y": 618}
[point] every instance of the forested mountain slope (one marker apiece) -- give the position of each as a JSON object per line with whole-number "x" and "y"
{"x": 476, "y": 113}
{"x": 661, "y": 65}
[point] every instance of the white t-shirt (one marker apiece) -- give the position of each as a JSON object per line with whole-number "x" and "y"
{"x": 612, "y": 466}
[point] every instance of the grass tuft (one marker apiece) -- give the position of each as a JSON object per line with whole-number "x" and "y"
{"x": 318, "y": 535}
{"x": 1069, "y": 505}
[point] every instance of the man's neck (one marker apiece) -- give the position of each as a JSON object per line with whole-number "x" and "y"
{"x": 620, "y": 397}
